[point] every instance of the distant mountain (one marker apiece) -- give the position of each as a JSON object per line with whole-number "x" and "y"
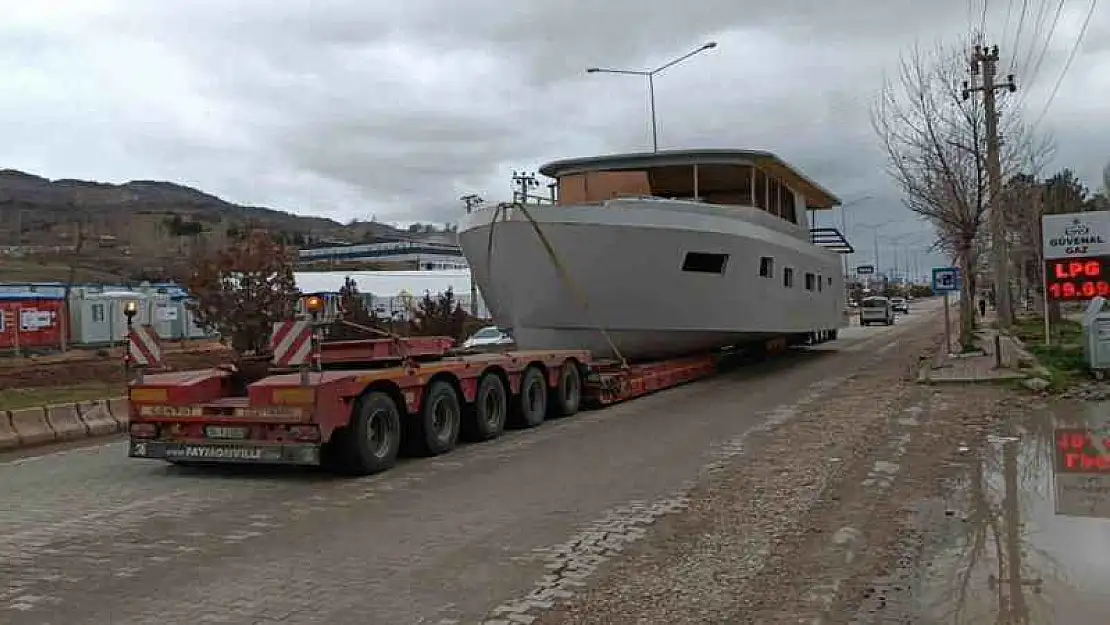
{"x": 143, "y": 227}
{"x": 67, "y": 199}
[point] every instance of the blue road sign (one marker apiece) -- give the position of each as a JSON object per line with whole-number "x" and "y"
{"x": 946, "y": 279}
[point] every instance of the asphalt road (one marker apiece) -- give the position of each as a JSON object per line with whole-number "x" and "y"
{"x": 88, "y": 536}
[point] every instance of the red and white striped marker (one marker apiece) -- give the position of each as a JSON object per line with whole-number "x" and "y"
{"x": 291, "y": 343}
{"x": 143, "y": 348}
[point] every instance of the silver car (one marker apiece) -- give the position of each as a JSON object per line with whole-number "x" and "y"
{"x": 876, "y": 310}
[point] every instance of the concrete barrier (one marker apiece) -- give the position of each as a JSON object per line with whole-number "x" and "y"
{"x": 32, "y": 426}
{"x": 9, "y": 438}
{"x": 120, "y": 411}
{"x": 66, "y": 422}
{"x": 27, "y": 427}
{"x": 96, "y": 417}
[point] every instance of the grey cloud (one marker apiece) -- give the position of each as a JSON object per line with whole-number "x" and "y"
{"x": 397, "y": 108}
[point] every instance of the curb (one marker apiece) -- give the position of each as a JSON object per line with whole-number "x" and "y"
{"x": 43, "y": 425}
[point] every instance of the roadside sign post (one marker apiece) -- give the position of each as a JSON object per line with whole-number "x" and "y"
{"x": 1076, "y": 259}
{"x": 945, "y": 281}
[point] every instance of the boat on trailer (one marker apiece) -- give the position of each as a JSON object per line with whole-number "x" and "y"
{"x": 655, "y": 255}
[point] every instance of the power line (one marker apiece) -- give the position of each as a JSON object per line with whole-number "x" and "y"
{"x": 1038, "y": 26}
{"x": 1006, "y": 23}
{"x": 1017, "y": 35}
{"x": 1047, "y": 41}
{"x": 1067, "y": 64}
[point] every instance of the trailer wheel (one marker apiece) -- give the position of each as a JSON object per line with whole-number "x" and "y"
{"x": 567, "y": 396}
{"x": 491, "y": 407}
{"x": 371, "y": 442}
{"x": 530, "y": 405}
{"x": 437, "y": 428}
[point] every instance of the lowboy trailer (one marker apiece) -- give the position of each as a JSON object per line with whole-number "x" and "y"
{"x": 364, "y": 401}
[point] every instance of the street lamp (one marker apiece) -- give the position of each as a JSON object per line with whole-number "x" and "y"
{"x": 130, "y": 309}
{"x": 875, "y": 233}
{"x": 844, "y": 223}
{"x": 650, "y": 74}
{"x": 896, "y": 241}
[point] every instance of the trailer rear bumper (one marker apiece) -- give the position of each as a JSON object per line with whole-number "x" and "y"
{"x": 305, "y": 454}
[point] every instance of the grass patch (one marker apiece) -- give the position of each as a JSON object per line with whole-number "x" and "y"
{"x": 1031, "y": 330}
{"x": 1064, "y": 358}
{"x": 16, "y": 398}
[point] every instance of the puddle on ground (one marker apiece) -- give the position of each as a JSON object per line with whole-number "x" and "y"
{"x": 1027, "y": 536}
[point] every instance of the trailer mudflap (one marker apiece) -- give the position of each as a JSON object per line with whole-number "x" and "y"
{"x": 307, "y": 454}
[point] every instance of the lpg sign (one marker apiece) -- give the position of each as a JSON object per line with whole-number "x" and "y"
{"x": 1076, "y": 235}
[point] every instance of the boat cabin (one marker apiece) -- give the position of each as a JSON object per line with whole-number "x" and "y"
{"x": 725, "y": 177}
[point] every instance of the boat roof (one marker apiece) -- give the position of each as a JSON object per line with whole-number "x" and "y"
{"x": 817, "y": 197}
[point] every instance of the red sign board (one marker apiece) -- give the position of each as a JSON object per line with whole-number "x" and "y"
{"x": 1074, "y": 279}
{"x": 1082, "y": 451}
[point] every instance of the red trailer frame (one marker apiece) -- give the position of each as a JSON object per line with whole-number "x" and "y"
{"x": 371, "y": 396}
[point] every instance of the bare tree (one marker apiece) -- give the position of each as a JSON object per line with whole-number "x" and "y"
{"x": 935, "y": 145}
{"x": 242, "y": 290}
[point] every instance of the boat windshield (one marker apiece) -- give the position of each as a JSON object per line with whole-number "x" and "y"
{"x": 726, "y": 185}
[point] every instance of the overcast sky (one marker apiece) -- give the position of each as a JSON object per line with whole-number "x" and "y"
{"x": 353, "y": 108}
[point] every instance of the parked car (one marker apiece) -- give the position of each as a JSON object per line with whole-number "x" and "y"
{"x": 489, "y": 336}
{"x": 876, "y": 310}
{"x": 900, "y": 305}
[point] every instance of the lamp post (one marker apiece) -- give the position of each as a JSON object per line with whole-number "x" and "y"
{"x": 844, "y": 224}
{"x": 130, "y": 309}
{"x": 875, "y": 235}
{"x": 650, "y": 75}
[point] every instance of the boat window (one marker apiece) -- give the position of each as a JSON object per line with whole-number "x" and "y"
{"x": 788, "y": 278}
{"x": 598, "y": 186}
{"x": 702, "y": 262}
{"x": 820, "y": 284}
{"x": 811, "y": 281}
{"x": 774, "y": 196}
{"x": 572, "y": 189}
{"x": 766, "y": 267}
{"x": 760, "y": 189}
{"x": 787, "y": 209}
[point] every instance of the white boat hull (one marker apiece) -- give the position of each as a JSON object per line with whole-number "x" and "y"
{"x": 622, "y": 272}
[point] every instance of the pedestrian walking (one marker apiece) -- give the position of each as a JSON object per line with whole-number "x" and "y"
{"x": 982, "y": 308}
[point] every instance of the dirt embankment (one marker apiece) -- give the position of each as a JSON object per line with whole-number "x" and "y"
{"x": 84, "y": 368}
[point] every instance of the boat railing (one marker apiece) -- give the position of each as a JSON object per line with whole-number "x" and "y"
{"x": 831, "y": 239}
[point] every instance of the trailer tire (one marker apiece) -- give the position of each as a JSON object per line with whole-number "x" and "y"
{"x": 371, "y": 442}
{"x": 530, "y": 404}
{"x": 491, "y": 407}
{"x": 566, "y": 397}
{"x": 439, "y": 422}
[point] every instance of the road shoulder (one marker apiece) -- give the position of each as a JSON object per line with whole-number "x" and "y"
{"x": 800, "y": 525}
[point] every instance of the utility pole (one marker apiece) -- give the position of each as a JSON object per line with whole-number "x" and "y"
{"x": 524, "y": 182}
{"x": 472, "y": 201}
{"x": 984, "y": 62}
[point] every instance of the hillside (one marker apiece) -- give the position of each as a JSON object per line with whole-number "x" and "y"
{"x": 139, "y": 230}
